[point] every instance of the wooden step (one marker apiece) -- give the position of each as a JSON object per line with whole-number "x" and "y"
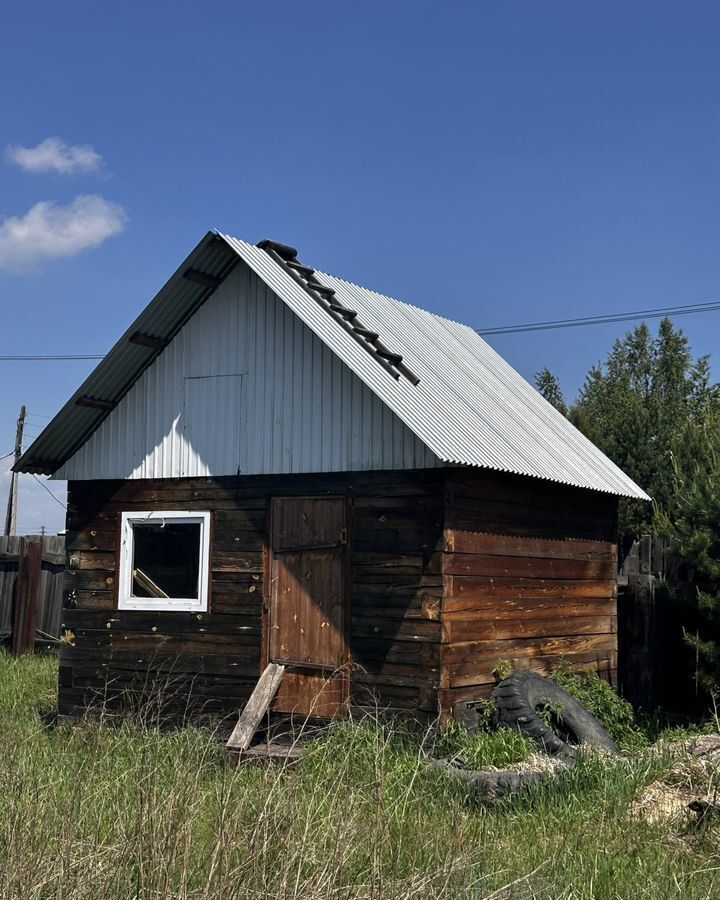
{"x": 267, "y": 753}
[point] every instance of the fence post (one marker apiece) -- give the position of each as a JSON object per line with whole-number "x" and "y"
{"x": 27, "y": 595}
{"x": 636, "y": 615}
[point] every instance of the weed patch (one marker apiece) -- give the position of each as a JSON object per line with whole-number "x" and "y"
{"x": 101, "y": 811}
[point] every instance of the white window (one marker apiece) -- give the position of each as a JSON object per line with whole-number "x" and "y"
{"x": 164, "y": 560}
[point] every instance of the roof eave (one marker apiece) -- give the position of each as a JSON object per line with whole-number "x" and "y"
{"x": 212, "y": 256}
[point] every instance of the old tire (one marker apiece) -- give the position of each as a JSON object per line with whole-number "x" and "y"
{"x": 517, "y": 699}
{"x": 491, "y": 785}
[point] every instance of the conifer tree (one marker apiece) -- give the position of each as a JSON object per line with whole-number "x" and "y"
{"x": 692, "y": 523}
{"x": 549, "y": 386}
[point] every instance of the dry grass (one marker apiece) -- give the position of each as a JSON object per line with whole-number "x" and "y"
{"x": 106, "y": 812}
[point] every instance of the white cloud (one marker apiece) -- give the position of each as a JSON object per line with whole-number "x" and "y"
{"x": 47, "y": 231}
{"x": 54, "y": 155}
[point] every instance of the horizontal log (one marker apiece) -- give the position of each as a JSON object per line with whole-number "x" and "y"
{"x": 225, "y": 597}
{"x": 413, "y": 679}
{"x": 529, "y": 526}
{"x": 493, "y": 650}
{"x": 486, "y": 586}
{"x": 158, "y": 494}
{"x": 240, "y": 540}
{"x": 396, "y": 541}
{"x": 490, "y": 608}
{"x": 426, "y": 502}
{"x": 369, "y": 562}
{"x": 578, "y": 524}
{"x": 224, "y": 579}
{"x": 92, "y": 559}
{"x": 580, "y": 515}
{"x": 396, "y": 613}
{"x": 449, "y": 697}
{"x": 395, "y": 481}
{"x": 89, "y": 580}
{"x": 236, "y": 561}
{"x": 477, "y": 484}
{"x": 477, "y": 672}
{"x": 498, "y": 629}
{"x": 393, "y": 579}
{"x": 157, "y": 662}
{"x": 97, "y": 600}
{"x": 458, "y": 541}
{"x": 236, "y": 605}
{"x": 132, "y": 620}
{"x": 527, "y": 567}
{"x": 370, "y": 652}
{"x": 381, "y": 627}
{"x": 90, "y": 539}
{"x": 190, "y": 692}
{"x": 397, "y": 591}
{"x": 240, "y": 645}
{"x": 227, "y": 511}
{"x": 414, "y": 519}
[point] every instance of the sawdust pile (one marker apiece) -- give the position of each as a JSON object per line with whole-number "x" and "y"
{"x": 689, "y": 790}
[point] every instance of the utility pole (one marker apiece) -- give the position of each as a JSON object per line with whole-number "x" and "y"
{"x": 11, "y": 517}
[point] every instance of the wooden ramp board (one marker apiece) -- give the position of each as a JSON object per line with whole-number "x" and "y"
{"x": 267, "y": 753}
{"x": 256, "y": 707}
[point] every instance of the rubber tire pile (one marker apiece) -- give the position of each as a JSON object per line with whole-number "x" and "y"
{"x": 517, "y": 701}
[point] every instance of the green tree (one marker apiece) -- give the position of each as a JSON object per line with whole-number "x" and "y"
{"x": 692, "y": 523}
{"x": 653, "y": 409}
{"x": 637, "y": 406}
{"x": 548, "y": 385}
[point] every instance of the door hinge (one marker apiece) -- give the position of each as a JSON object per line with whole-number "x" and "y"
{"x": 343, "y": 535}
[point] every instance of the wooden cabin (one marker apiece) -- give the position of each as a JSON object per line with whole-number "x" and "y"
{"x": 274, "y": 464}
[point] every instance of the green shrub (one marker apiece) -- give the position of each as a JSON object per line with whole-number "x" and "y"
{"x": 616, "y": 714}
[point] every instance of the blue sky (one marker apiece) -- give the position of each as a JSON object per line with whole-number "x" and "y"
{"x": 493, "y": 162}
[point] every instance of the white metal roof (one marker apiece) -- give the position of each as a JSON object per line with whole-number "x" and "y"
{"x": 470, "y": 407}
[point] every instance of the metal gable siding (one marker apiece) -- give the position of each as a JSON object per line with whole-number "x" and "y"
{"x": 245, "y": 387}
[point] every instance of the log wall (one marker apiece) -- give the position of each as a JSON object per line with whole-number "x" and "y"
{"x": 452, "y": 570}
{"x": 528, "y": 576}
{"x": 213, "y": 658}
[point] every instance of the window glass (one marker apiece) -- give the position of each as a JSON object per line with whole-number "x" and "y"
{"x": 166, "y": 559}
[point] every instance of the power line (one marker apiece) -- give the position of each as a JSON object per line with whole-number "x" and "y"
{"x": 49, "y": 356}
{"x": 580, "y": 321}
{"x": 656, "y": 313}
{"x": 45, "y": 487}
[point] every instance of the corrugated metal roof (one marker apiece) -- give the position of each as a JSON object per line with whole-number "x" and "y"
{"x": 470, "y": 406}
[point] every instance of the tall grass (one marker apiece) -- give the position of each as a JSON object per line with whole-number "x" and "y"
{"x": 120, "y": 811}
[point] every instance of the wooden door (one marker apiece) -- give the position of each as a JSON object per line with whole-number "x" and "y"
{"x": 306, "y": 601}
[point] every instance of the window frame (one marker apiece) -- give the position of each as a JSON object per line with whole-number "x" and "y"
{"x": 125, "y": 599}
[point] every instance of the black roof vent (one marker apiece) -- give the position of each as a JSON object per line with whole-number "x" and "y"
{"x": 284, "y": 250}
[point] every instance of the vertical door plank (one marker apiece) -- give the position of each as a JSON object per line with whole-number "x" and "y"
{"x": 307, "y": 599}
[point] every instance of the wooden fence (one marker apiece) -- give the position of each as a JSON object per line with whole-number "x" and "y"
{"x": 657, "y": 666}
{"x": 32, "y": 568}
